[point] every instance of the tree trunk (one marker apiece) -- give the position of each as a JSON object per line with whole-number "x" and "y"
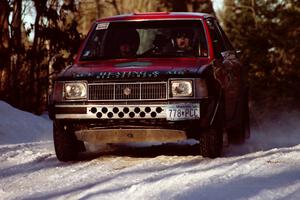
{"x": 4, "y": 34}
{"x": 16, "y": 44}
{"x": 35, "y": 57}
{"x": 4, "y": 50}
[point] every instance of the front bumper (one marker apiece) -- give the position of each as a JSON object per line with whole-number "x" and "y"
{"x": 170, "y": 112}
{"x": 139, "y": 121}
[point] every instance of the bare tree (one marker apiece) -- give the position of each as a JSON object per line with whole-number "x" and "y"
{"x": 4, "y": 48}
{"x": 17, "y": 49}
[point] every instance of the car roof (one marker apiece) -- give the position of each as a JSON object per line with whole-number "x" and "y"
{"x": 156, "y": 16}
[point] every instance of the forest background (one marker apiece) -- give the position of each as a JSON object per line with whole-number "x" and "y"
{"x": 266, "y": 31}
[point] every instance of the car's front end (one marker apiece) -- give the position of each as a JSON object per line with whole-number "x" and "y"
{"x": 155, "y": 103}
{"x": 158, "y": 94}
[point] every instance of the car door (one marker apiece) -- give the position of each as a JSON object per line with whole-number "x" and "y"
{"x": 228, "y": 69}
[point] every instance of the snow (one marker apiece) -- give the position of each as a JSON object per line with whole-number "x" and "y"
{"x": 18, "y": 126}
{"x": 265, "y": 167}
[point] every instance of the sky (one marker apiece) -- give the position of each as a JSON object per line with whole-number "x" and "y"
{"x": 217, "y": 4}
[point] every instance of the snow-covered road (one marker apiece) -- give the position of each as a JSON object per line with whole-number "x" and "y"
{"x": 266, "y": 167}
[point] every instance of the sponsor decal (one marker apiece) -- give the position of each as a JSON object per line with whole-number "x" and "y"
{"x": 117, "y": 75}
{"x": 102, "y": 26}
{"x": 177, "y": 72}
{"x": 130, "y": 74}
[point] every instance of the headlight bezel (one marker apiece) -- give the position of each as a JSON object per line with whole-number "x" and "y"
{"x": 199, "y": 88}
{"x": 80, "y": 84}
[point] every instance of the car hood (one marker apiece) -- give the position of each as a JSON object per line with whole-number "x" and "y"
{"x": 122, "y": 69}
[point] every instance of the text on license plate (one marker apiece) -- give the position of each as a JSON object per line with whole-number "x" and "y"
{"x": 177, "y": 112}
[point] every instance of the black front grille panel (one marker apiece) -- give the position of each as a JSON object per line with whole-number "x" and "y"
{"x": 101, "y": 92}
{"x": 153, "y": 91}
{"x": 128, "y": 91}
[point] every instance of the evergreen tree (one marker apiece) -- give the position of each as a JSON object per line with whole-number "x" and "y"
{"x": 268, "y": 33}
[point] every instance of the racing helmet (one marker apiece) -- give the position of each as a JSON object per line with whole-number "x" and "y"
{"x": 131, "y": 37}
{"x": 182, "y": 32}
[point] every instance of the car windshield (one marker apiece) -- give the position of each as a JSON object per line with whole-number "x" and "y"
{"x": 166, "y": 38}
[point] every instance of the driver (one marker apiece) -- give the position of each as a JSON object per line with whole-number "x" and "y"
{"x": 129, "y": 43}
{"x": 182, "y": 41}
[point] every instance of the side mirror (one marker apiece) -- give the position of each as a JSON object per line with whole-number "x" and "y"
{"x": 238, "y": 52}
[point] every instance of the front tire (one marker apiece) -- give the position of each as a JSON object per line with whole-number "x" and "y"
{"x": 211, "y": 140}
{"x": 65, "y": 142}
{"x": 211, "y": 144}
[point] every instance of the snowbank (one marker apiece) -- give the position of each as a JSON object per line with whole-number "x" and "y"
{"x": 17, "y": 126}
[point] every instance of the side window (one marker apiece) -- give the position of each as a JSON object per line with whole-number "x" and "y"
{"x": 93, "y": 48}
{"x": 218, "y": 43}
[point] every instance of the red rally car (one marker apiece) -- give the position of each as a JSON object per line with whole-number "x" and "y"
{"x": 151, "y": 77}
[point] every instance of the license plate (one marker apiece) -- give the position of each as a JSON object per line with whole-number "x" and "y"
{"x": 177, "y": 112}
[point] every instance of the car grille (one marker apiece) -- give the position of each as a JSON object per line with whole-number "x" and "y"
{"x": 127, "y": 91}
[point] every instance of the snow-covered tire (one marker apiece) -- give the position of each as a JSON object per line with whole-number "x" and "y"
{"x": 65, "y": 142}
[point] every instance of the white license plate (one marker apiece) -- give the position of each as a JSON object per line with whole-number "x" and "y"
{"x": 176, "y": 112}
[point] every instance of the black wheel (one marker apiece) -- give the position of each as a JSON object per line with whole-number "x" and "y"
{"x": 238, "y": 133}
{"x": 65, "y": 143}
{"x": 211, "y": 141}
{"x": 211, "y": 144}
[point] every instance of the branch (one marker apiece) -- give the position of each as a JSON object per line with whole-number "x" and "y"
{"x": 251, "y": 8}
{"x": 115, "y": 5}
